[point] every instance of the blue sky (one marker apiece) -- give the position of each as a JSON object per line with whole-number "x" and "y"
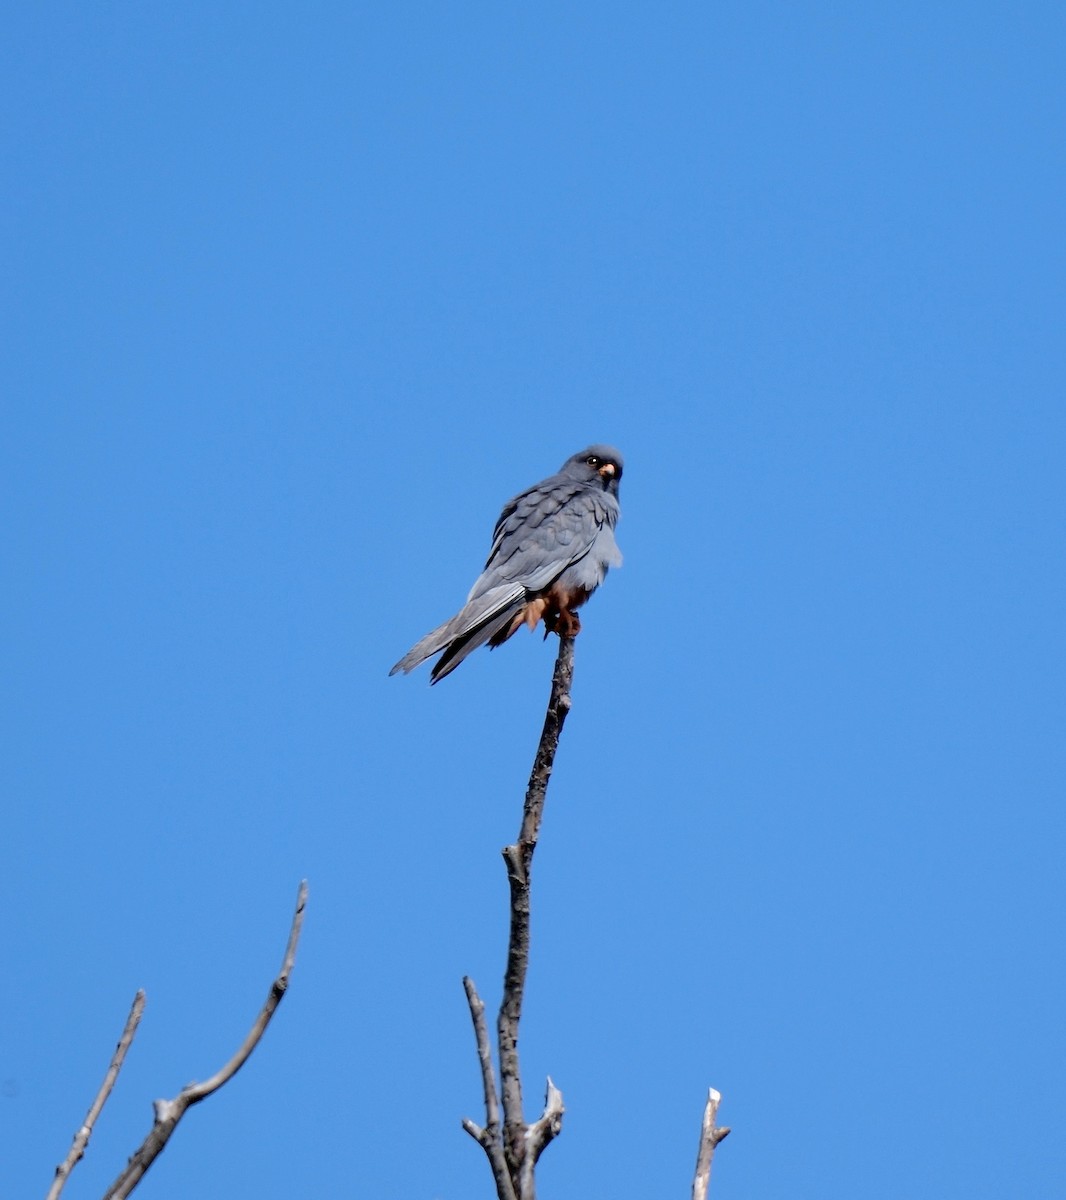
{"x": 293, "y": 301}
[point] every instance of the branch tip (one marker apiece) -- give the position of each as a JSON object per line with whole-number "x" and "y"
{"x": 475, "y": 1130}
{"x": 710, "y": 1136}
{"x": 168, "y": 1113}
{"x": 81, "y": 1138}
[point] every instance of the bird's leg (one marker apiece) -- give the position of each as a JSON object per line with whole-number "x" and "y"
{"x": 560, "y": 614}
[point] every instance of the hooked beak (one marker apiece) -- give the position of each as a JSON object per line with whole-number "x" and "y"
{"x": 607, "y": 471}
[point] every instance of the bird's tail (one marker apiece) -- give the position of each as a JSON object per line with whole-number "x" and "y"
{"x": 478, "y": 621}
{"x": 463, "y": 646}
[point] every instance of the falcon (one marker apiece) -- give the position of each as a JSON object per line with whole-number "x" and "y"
{"x": 551, "y": 549}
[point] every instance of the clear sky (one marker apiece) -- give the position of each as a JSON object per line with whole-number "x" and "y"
{"x": 294, "y": 297}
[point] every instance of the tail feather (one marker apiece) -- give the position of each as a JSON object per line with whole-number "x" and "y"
{"x": 489, "y": 611}
{"x": 435, "y": 640}
{"x": 463, "y": 646}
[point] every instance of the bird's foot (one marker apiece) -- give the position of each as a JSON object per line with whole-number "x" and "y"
{"x": 567, "y": 623}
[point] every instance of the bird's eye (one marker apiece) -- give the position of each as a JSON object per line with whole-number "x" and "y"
{"x": 592, "y": 460}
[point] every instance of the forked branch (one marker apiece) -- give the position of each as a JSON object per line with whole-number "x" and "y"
{"x": 514, "y": 1148}
{"x": 169, "y": 1112}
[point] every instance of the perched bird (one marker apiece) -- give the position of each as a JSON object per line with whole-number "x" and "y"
{"x": 551, "y": 549}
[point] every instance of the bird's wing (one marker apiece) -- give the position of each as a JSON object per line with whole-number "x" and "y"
{"x": 541, "y": 532}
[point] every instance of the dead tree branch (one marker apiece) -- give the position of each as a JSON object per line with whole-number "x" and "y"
{"x": 81, "y": 1138}
{"x": 513, "y": 1150}
{"x": 489, "y": 1137}
{"x": 519, "y": 860}
{"x": 710, "y": 1135}
{"x": 169, "y": 1112}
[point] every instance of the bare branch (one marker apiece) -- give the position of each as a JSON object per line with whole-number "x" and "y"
{"x": 169, "y": 1112}
{"x": 489, "y": 1137}
{"x": 484, "y": 1053}
{"x": 519, "y": 860}
{"x": 81, "y": 1138}
{"x": 710, "y": 1136}
{"x": 548, "y": 1127}
{"x": 558, "y": 707}
{"x": 513, "y": 1151}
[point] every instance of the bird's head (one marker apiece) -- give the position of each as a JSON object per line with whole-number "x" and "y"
{"x": 596, "y": 464}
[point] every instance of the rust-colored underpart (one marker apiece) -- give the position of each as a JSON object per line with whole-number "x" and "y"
{"x": 556, "y": 608}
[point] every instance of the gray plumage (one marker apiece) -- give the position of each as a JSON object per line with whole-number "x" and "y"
{"x": 552, "y": 547}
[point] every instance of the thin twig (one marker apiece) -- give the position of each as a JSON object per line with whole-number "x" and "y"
{"x": 169, "y": 1112}
{"x": 81, "y": 1138}
{"x": 710, "y": 1136}
{"x": 489, "y": 1137}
